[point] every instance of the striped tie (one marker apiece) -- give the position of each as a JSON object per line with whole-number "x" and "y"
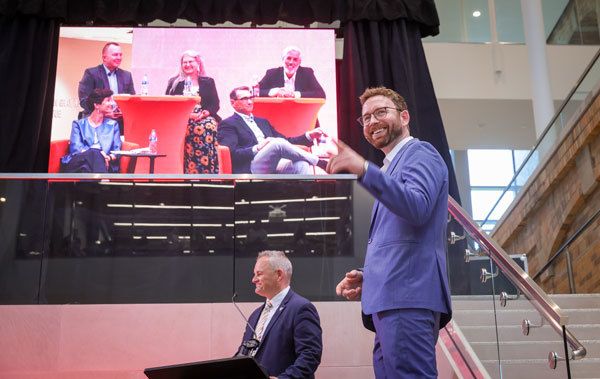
{"x": 260, "y": 326}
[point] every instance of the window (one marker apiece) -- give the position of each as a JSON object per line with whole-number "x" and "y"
{"x": 490, "y": 172}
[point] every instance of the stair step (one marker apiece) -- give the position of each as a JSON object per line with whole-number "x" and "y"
{"x": 526, "y": 356}
{"x": 513, "y": 333}
{"x": 563, "y": 301}
{"x": 516, "y": 316}
{"x": 513, "y": 350}
{"x": 588, "y": 368}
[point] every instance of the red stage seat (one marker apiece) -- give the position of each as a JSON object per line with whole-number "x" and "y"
{"x": 60, "y": 148}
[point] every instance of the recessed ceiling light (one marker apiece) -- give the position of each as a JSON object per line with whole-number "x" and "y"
{"x": 476, "y": 13}
{"x": 2, "y": 199}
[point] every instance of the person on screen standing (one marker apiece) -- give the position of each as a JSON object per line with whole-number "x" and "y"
{"x": 291, "y": 79}
{"x": 286, "y": 325}
{"x": 404, "y": 284}
{"x": 257, "y": 148}
{"x": 107, "y": 75}
{"x": 93, "y": 138}
{"x": 200, "y": 151}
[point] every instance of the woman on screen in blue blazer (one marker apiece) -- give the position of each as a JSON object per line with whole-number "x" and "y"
{"x": 94, "y": 137}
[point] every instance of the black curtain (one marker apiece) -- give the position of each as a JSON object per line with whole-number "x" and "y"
{"x": 27, "y": 70}
{"x": 390, "y": 54}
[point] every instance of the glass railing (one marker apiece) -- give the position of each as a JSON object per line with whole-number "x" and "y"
{"x": 511, "y": 324}
{"x": 582, "y": 94}
{"x": 577, "y": 25}
{"x": 134, "y": 239}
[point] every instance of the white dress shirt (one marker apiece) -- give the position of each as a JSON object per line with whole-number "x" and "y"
{"x": 112, "y": 80}
{"x": 392, "y": 154}
{"x": 276, "y": 301}
{"x": 249, "y": 120}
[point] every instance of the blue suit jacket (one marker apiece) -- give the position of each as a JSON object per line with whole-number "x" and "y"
{"x": 95, "y": 77}
{"x": 306, "y": 82}
{"x": 292, "y": 344}
{"x": 82, "y": 138}
{"x": 234, "y": 133}
{"x": 405, "y": 266}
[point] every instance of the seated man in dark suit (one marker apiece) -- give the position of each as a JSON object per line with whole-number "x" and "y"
{"x": 257, "y": 148}
{"x": 107, "y": 75}
{"x": 287, "y": 325}
{"x": 291, "y": 80}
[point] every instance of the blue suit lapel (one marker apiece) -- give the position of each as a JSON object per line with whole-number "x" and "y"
{"x": 245, "y": 129}
{"x": 102, "y": 75}
{"x": 392, "y": 168}
{"x": 395, "y": 163}
{"x": 277, "y": 313}
{"x": 373, "y": 214}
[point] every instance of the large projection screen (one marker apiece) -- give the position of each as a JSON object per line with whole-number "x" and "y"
{"x": 232, "y": 57}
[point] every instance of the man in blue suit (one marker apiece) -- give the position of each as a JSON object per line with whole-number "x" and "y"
{"x": 107, "y": 75}
{"x": 291, "y": 80}
{"x": 257, "y": 148}
{"x": 287, "y": 325}
{"x": 403, "y": 285}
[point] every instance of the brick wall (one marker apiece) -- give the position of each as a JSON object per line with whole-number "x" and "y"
{"x": 560, "y": 196}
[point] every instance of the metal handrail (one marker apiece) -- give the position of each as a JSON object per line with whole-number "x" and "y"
{"x": 547, "y": 308}
{"x": 512, "y": 182}
{"x": 567, "y": 243}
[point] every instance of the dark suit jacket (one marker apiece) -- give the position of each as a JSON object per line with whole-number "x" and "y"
{"x": 306, "y": 82}
{"x": 405, "y": 265}
{"x": 292, "y": 344}
{"x": 207, "y": 91}
{"x": 235, "y": 134}
{"x": 95, "y": 77}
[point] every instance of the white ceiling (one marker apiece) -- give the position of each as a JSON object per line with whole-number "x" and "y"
{"x": 480, "y": 123}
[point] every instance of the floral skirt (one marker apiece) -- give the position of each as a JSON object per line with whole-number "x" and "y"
{"x": 200, "y": 148}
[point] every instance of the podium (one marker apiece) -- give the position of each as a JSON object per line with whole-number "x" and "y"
{"x": 289, "y": 116}
{"x": 168, "y": 115}
{"x": 240, "y": 367}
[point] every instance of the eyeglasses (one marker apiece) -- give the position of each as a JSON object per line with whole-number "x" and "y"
{"x": 378, "y": 113}
{"x": 246, "y": 98}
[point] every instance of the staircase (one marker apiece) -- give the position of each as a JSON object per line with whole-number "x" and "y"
{"x": 526, "y": 356}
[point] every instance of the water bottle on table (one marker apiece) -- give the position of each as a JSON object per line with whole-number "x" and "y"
{"x": 153, "y": 142}
{"x": 255, "y": 86}
{"x": 187, "y": 86}
{"x": 145, "y": 84}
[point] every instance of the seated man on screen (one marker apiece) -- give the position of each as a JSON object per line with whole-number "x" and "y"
{"x": 287, "y": 325}
{"x": 291, "y": 80}
{"x": 257, "y": 148}
{"x": 107, "y": 75}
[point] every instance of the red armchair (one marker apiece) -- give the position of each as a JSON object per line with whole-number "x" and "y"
{"x": 59, "y": 148}
{"x": 224, "y": 156}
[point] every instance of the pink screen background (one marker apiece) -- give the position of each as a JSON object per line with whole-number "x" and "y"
{"x": 232, "y": 57}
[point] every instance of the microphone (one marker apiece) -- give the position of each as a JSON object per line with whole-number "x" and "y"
{"x": 247, "y": 347}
